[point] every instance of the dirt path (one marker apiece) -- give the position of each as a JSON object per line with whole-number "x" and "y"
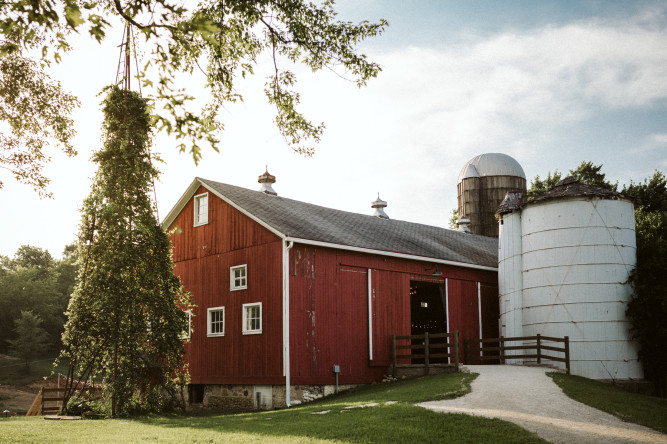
{"x": 529, "y": 398}
{"x": 17, "y": 398}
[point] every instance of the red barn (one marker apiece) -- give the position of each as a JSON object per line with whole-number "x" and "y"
{"x": 286, "y": 290}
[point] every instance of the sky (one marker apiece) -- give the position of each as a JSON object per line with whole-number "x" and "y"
{"x": 550, "y": 83}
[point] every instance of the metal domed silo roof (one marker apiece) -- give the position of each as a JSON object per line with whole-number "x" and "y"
{"x": 482, "y": 185}
{"x": 491, "y": 164}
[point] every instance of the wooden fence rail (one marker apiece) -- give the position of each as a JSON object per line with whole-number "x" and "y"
{"x": 427, "y": 350}
{"x": 501, "y": 351}
{"x": 47, "y": 397}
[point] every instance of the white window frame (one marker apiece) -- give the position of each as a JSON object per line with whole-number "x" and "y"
{"x": 245, "y": 320}
{"x": 233, "y": 278}
{"x": 209, "y": 312}
{"x": 187, "y": 333}
{"x": 197, "y": 200}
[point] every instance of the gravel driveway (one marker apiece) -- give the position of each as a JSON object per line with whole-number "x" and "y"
{"x": 529, "y": 398}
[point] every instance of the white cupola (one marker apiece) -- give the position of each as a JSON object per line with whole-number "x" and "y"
{"x": 266, "y": 180}
{"x": 378, "y": 206}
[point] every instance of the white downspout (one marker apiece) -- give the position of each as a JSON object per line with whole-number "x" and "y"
{"x": 479, "y": 307}
{"x": 449, "y": 360}
{"x": 287, "y": 246}
{"x": 370, "y": 315}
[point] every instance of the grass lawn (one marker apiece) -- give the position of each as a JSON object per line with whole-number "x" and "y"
{"x": 394, "y": 419}
{"x": 649, "y": 411}
{"x": 13, "y": 371}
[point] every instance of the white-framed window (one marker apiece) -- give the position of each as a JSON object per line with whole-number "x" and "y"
{"x": 187, "y": 333}
{"x": 201, "y": 209}
{"x": 238, "y": 277}
{"x": 252, "y": 318}
{"x": 215, "y": 321}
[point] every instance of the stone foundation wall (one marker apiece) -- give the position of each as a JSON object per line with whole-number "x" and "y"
{"x": 241, "y": 397}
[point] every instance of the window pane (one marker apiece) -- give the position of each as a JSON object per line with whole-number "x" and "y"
{"x": 217, "y": 319}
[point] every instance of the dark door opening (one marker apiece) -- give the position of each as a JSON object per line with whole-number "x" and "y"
{"x": 427, "y": 314}
{"x": 196, "y": 393}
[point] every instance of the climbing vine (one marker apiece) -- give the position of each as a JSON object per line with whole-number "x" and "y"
{"x": 127, "y": 315}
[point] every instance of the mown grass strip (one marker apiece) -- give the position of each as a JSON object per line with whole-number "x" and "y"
{"x": 649, "y": 411}
{"x": 394, "y": 419}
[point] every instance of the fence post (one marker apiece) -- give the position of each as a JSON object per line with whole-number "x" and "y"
{"x": 567, "y": 354}
{"x": 426, "y": 350}
{"x": 456, "y": 349}
{"x": 501, "y": 344}
{"x": 539, "y": 349}
{"x": 393, "y": 350}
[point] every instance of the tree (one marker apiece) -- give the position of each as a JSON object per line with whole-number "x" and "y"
{"x": 452, "y": 220}
{"x": 31, "y": 338}
{"x": 126, "y": 316}
{"x": 651, "y": 195}
{"x": 586, "y": 173}
{"x": 221, "y": 40}
{"x": 538, "y": 187}
{"x": 648, "y": 308}
{"x": 34, "y": 281}
{"x": 590, "y": 174}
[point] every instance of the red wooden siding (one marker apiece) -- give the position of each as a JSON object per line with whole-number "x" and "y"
{"x": 203, "y": 256}
{"x": 227, "y": 230}
{"x": 328, "y": 302}
{"x": 329, "y": 310}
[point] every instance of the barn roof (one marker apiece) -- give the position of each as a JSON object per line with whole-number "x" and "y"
{"x": 298, "y": 220}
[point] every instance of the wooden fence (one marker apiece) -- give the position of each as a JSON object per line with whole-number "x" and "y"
{"x": 500, "y": 351}
{"x": 427, "y": 350}
{"x": 50, "y": 400}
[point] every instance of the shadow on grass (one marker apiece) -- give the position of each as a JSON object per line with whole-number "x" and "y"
{"x": 394, "y": 418}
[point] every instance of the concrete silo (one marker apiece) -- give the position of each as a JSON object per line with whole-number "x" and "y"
{"x": 564, "y": 261}
{"x": 482, "y": 185}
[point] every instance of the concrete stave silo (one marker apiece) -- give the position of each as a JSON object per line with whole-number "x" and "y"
{"x": 577, "y": 248}
{"x": 482, "y": 184}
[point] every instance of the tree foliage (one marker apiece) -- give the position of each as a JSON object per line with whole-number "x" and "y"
{"x": 648, "y": 308}
{"x": 586, "y": 172}
{"x": 33, "y": 280}
{"x": 222, "y": 40}
{"x": 591, "y": 174}
{"x": 651, "y": 195}
{"x": 126, "y": 316}
{"x": 31, "y": 339}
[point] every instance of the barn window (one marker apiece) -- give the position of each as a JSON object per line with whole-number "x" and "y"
{"x": 201, "y": 209}
{"x": 215, "y": 321}
{"x": 237, "y": 278}
{"x": 252, "y": 318}
{"x": 185, "y": 334}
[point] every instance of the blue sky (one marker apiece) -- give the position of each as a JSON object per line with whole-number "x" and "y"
{"x": 551, "y": 83}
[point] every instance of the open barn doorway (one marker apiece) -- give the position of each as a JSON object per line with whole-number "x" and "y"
{"x": 427, "y": 314}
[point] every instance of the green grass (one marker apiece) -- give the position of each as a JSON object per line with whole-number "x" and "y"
{"x": 397, "y": 422}
{"x": 648, "y": 411}
{"x": 13, "y": 371}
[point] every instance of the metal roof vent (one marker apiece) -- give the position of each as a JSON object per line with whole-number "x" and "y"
{"x": 463, "y": 225}
{"x": 266, "y": 180}
{"x": 378, "y": 206}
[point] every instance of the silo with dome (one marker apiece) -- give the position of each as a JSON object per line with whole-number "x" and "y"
{"x": 482, "y": 184}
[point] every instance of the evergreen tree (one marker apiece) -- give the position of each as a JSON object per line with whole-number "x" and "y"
{"x": 591, "y": 174}
{"x": 538, "y": 186}
{"x": 126, "y": 316}
{"x": 31, "y": 339}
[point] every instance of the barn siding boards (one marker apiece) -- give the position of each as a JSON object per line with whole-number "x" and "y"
{"x": 203, "y": 256}
{"x": 227, "y": 230}
{"x": 328, "y": 297}
{"x": 329, "y": 309}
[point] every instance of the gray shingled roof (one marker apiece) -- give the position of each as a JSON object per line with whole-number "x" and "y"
{"x": 302, "y": 220}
